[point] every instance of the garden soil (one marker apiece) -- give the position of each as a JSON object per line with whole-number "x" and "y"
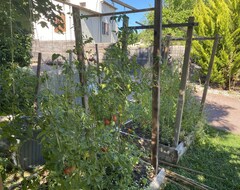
{"x": 222, "y": 109}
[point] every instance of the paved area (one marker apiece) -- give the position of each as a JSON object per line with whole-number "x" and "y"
{"x": 223, "y": 109}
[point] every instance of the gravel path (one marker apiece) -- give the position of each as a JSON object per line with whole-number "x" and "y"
{"x": 222, "y": 109}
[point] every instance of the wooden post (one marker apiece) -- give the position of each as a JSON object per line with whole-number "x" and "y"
{"x": 80, "y": 53}
{"x": 156, "y": 83}
{"x": 166, "y": 49}
{"x": 206, "y": 85}
{"x": 38, "y": 82}
{"x": 185, "y": 70}
{"x": 125, "y": 33}
{"x": 1, "y": 183}
{"x": 98, "y": 71}
{"x": 70, "y": 58}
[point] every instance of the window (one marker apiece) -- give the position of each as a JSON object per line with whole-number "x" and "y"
{"x": 105, "y": 28}
{"x": 61, "y": 24}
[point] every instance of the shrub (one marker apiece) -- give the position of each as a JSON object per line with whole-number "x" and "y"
{"x": 17, "y": 89}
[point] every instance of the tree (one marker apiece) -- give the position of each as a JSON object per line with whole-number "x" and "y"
{"x": 219, "y": 17}
{"x": 173, "y": 11}
{"x": 17, "y": 17}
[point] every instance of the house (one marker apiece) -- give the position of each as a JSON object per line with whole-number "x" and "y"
{"x": 49, "y": 40}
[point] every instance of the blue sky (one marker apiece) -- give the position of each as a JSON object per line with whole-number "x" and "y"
{"x": 138, "y": 4}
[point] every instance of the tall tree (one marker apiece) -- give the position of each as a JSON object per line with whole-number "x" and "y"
{"x": 221, "y": 17}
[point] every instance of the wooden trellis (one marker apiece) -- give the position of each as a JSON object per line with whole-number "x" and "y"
{"x": 158, "y": 26}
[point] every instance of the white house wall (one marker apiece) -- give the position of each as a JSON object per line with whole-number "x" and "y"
{"x": 91, "y": 27}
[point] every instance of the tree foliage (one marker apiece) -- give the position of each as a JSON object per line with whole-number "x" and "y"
{"x": 221, "y": 17}
{"x": 173, "y": 11}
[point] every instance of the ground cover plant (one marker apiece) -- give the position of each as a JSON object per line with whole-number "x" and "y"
{"x": 215, "y": 153}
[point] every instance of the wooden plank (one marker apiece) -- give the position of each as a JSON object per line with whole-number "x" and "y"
{"x": 117, "y": 13}
{"x": 174, "y": 25}
{"x": 156, "y": 83}
{"x": 206, "y": 85}
{"x": 185, "y": 71}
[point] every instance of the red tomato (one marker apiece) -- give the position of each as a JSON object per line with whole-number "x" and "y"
{"x": 106, "y": 121}
{"x": 104, "y": 149}
{"x": 114, "y": 118}
{"x": 69, "y": 170}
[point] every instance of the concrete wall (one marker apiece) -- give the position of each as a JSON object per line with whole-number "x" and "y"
{"x": 47, "y": 48}
{"x": 144, "y": 55}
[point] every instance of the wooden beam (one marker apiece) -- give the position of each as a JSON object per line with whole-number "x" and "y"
{"x": 206, "y": 85}
{"x": 156, "y": 83}
{"x": 141, "y": 24}
{"x": 124, "y": 4}
{"x": 197, "y": 38}
{"x": 174, "y": 25}
{"x": 117, "y": 13}
{"x": 183, "y": 83}
{"x": 76, "y": 6}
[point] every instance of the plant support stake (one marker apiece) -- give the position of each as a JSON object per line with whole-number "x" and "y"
{"x": 185, "y": 70}
{"x": 156, "y": 83}
{"x": 80, "y": 53}
{"x": 36, "y": 106}
{"x": 206, "y": 85}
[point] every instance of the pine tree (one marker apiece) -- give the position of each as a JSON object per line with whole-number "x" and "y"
{"x": 221, "y": 17}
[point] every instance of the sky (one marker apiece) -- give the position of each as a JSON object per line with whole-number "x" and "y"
{"x": 138, "y": 4}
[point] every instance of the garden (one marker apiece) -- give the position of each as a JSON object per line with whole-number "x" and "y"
{"x": 88, "y": 125}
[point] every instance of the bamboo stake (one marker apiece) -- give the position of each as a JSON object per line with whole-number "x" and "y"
{"x": 156, "y": 83}
{"x": 185, "y": 70}
{"x": 214, "y": 49}
{"x": 176, "y": 183}
{"x": 187, "y": 181}
{"x": 190, "y": 170}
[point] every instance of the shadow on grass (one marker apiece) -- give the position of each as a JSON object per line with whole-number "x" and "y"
{"x": 217, "y": 155}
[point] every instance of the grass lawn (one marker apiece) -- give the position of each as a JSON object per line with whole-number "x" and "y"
{"x": 217, "y": 153}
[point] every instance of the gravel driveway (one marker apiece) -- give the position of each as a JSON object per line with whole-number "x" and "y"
{"x": 222, "y": 109}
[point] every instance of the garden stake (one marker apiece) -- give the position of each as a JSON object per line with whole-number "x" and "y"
{"x": 38, "y": 82}
{"x": 214, "y": 49}
{"x": 185, "y": 70}
{"x": 80, "y": 53}
{"x": 156, "y": 83}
